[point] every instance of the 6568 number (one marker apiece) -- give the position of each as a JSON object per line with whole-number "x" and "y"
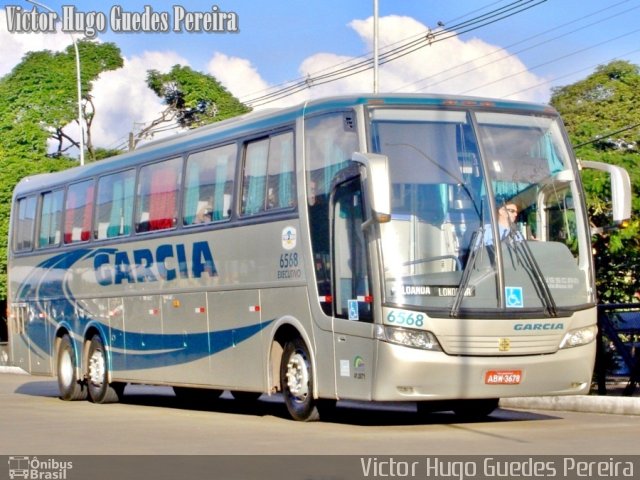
{"x": 409, "y": 319}
{"x": 289, "y": 260}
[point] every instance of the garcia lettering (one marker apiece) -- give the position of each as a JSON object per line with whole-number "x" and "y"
{"x": 168, "y": 262}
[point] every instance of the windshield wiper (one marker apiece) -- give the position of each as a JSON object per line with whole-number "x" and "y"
{"x": 474, "y": 248}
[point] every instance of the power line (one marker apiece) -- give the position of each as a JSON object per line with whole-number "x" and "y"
{"x": 398, "y": 52}
{"x": 369, "y": 54}
{"x": 505, "y": 49}
{"x": 590, "y": 67}
{"x": 600, "y": 137}
{"x": 575, "y": 52}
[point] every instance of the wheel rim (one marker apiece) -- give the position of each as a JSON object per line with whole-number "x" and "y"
{"x": 66, "y": 367}
{"x": 298, "y": 377}
{"x": 96, "y": 368}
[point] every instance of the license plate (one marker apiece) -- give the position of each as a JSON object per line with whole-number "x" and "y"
{"x": 503, "y": 377}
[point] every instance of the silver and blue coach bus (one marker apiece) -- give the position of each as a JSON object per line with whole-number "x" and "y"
{"x": 411, "y": 248}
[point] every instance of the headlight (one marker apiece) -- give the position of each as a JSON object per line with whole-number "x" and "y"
{"x": 579, "y": 336}
{"x": 408, "y": 337}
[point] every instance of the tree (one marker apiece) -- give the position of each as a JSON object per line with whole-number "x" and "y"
{"x": 192, "y": 99}
{"x": 38, "y": 100}
{"x": 44, "y": 88}
{"x": 605, "y": 102}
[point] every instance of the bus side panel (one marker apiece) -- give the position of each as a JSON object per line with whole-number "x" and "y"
{"x": 145, "y": 350}
{"x": 186, "y": 338}
{"x": 285, "y": 305}
{"x": 117, "y": 333}
{"x": 39, "y": 332}
{"x": 236, "y": 345}
{"x": 18, "y": 338}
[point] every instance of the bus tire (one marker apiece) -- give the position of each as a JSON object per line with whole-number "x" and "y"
{"x": 71, "y": 388}
{"x": 100, "y": 391}
{"x": 296, "y": 374}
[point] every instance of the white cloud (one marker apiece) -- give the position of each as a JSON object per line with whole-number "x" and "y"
{"x": 13, "y": 45}
{"x": 237, "y": 74}
{"x": 453, "y": 66}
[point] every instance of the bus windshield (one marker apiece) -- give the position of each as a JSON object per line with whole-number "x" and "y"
{"x": 486, "y": 213}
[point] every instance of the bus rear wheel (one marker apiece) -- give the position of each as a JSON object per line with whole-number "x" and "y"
{"x": 68, "y": 384}
{"x": 296, "y": 374}
{"x": 100, "y": 390}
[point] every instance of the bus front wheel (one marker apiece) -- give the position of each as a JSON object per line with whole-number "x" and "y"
{"x": 68, "y": 384}
{"x": 100, "y": 390}
{"x": 296, "y": 373}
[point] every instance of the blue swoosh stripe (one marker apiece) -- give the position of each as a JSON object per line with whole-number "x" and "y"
{"x": 130, "y": 350}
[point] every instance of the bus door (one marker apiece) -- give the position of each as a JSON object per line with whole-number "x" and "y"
{"x": 351, "y": 292}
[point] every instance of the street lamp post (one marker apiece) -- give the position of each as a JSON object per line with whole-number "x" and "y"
{"x": 78, "y": 83}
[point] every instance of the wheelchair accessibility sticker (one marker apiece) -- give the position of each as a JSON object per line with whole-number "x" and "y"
{"x": 354, "y": 313}
{"x": 514, "y": 297}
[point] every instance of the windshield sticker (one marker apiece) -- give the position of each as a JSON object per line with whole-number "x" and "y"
{"x": 345, "y": 368}
{"x": 354, "y": 312}
{"x": 432, "y": 291}
{"x": 514, "y": 297}
{"x": 564, "y": 283}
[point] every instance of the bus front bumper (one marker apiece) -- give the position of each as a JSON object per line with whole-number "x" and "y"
{"x": 411, "y": 374}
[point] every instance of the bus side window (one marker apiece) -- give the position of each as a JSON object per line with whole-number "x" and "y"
{"x": 268, "y": 178}
{"x": 51, "y": 219}
{"x": 25, "y": 223}
{"x": 78, "y": 212}
{"x": 209, "y": 185}
{"x": 114, "y": 205}
{"x": 158, "y": 196}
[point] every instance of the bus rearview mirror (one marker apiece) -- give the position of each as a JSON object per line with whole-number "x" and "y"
{"x": 378, "y": 183}
{"x": 620, "y": 189}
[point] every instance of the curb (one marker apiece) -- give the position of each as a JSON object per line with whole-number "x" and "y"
{"x": 577, "y": 403}
{"x": 15, "y": 370}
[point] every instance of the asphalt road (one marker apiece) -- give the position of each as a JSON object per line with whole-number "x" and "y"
{"x": 150, "y": 421}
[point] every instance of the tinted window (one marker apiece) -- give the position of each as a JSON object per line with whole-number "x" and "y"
{"x": 51, "y": 219}
{"x": 114, "y": 209}
{"x": 78, "y": 212}
{"x": 158, "y": 196}
{"x": 25, "y": 223}
{"x": 209, "y": 185}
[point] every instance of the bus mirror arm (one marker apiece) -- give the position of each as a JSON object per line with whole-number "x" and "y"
{"x": 378, "y": 185}
{"x": 620, "y": 189}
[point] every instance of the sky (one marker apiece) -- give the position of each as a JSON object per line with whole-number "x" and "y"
{"x": 509, "y": 49}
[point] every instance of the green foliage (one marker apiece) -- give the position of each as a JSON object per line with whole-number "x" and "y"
{"x": 604, "y": 102}
{"x": 194, "y": 98}
{"x": 38, "y": 98}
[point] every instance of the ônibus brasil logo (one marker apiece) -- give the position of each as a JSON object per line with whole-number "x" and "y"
{"x": 33, "y": 468}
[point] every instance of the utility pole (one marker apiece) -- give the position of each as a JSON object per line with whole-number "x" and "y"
{"x": 375, "y": 46}
{"x": 78, "y": 83}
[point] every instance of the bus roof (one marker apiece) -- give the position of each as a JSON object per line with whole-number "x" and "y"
{"x": 255, "y": 121}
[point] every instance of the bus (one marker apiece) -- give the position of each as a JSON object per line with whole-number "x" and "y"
{"x": 342, "y": 249}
